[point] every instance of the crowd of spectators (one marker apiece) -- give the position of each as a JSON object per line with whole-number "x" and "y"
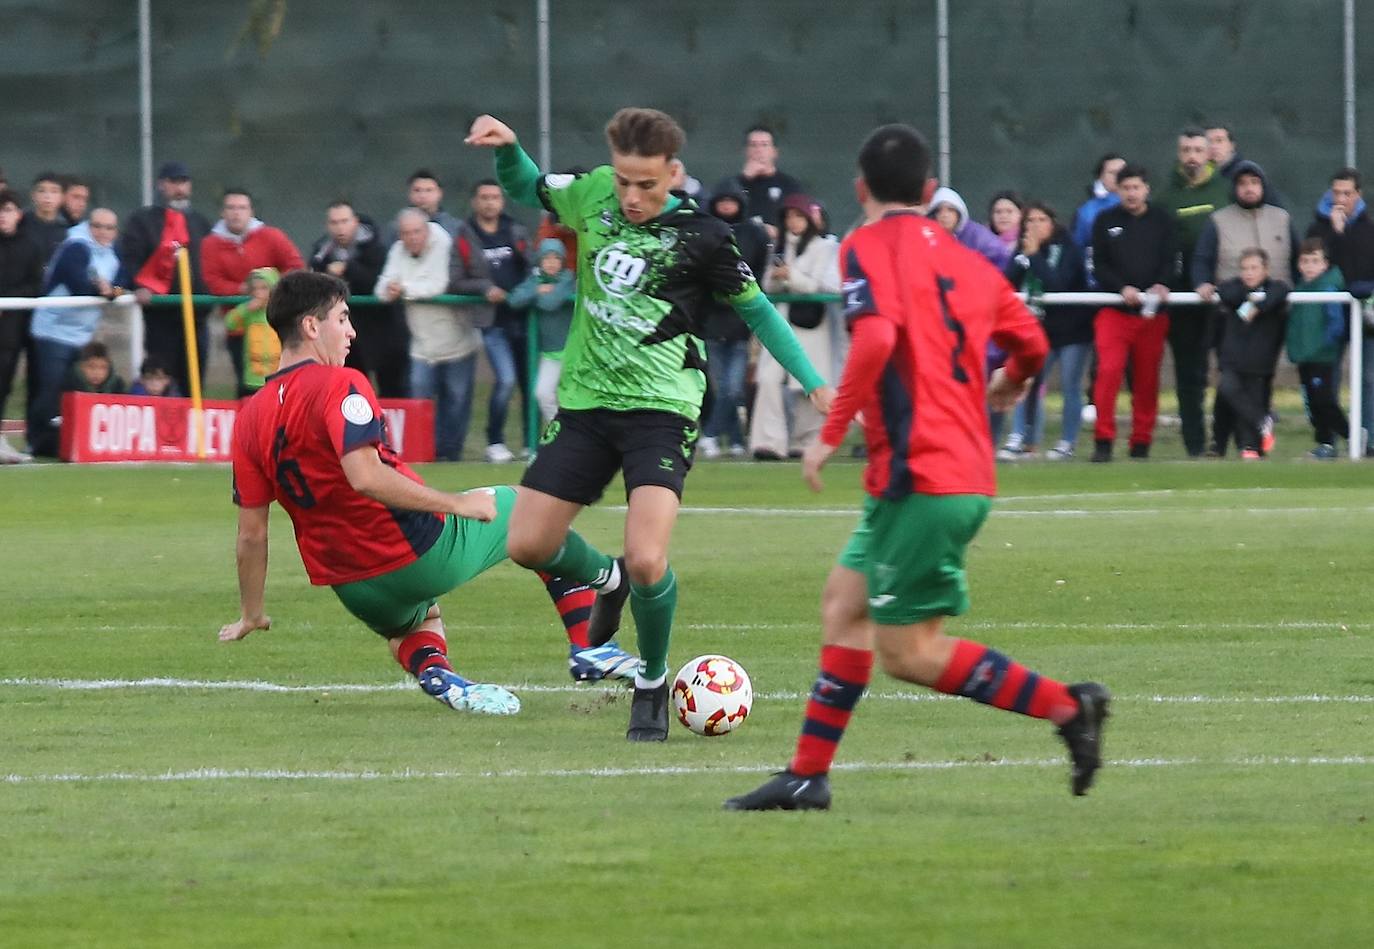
{"x": 1212, "y": 222}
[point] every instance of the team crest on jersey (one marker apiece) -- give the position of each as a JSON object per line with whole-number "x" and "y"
{"x": 617, "y": 270}
{"x": 356, "y": 409}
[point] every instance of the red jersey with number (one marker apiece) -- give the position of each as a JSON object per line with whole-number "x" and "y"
{"x": 289, "y": 443}
{"x": 921, "y": 309}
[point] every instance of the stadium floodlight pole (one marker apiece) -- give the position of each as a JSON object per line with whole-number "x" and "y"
{"x": 545, "y": 123}
{"x": 1349, "y": 83}
{"x": 942, "y": 85}
{"x": 145, "y": 100}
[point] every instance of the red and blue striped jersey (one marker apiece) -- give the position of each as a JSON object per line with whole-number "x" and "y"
{"x": 289, "y": 443}
{"x": 921, "y": 309}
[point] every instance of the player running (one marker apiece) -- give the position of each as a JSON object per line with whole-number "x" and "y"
{"x": 921, "y": 309}
{"x": 314, "y": 440}
{"x": 633, "y": 375}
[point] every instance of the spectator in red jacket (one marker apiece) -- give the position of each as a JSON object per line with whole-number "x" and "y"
{"x": 236, "y": 246}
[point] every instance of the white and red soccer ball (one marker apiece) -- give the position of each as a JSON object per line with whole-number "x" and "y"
{"x": 712, "y": 695}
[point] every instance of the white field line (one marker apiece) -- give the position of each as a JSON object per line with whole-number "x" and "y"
{"x": 405, "y": 685}
{"x": 1039, "y": 512}
{"x": 272, "y": 774}
{"x": 750, "y": 627}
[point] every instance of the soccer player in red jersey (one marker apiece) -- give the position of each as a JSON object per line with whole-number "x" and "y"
{"x": 313, "y": 439}
{"x": 921, "y": 309}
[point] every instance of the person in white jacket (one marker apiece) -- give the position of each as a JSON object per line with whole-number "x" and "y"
{"x": 808, "y": 262}
{"x": 443, "y": 341}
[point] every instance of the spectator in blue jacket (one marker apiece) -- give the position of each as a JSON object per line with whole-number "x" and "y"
{"x": 1101, "y": 197}
{"x": 85, "y": 264}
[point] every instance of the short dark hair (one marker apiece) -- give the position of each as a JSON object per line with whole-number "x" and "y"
{"x": 1224, "y": 127}
{"x": 9, "y": 197}
{"x": 45, "y": 176}
{"x": 154, "y": 364}
{"x": 1348, "y": 174}
{"x": 1259, "y": 252}
{"x": 485, "y": 183}
{"x": 645, "y": 132}
{"x": 895, "y": 164}
{"x": 1102, "y": 163}
{"x": 342, "y": 203}
{"x": 1312, "y": 245}
{"x": 760, "y": 127}
{"x": 1191, "y": 131}
{"x": 241, "y": 191}
{"x": 419, "y": 173}
{"x": 95, "y": 349}
{"x": 1130, "y": 170}
{"x": 74, "y": 181}
{"x": 299, "y": 294}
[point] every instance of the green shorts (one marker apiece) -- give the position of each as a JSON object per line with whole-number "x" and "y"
{"x": 395, "y": 603}
{"x": 911, "y": 552}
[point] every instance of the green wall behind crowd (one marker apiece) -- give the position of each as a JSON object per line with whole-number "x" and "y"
{"x": 353, "y": 96}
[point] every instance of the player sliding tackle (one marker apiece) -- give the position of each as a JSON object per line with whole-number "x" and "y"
{"x": 633, "y": 374}
{"x": 921, "y": 309}
{"x": 314, "y": 440}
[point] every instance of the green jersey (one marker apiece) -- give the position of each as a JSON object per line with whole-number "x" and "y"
{"x": 642, "y": 291}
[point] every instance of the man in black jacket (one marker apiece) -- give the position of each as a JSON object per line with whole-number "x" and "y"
{"x": 727, "y": 336}
{"x": 352, "y": 250}
{"x": 1343, "y": 223}
{"x": 1133, "y": 254}
{"x": 147, "y": 250}
{"x": 21, "y": 275}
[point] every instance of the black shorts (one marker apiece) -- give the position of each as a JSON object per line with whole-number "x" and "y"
{"x": 581, "y": 451}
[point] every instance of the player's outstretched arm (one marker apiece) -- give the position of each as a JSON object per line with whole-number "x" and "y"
{"x": 252, "y": 570}
{"x": 517, "y": 172}
{"x": 367, "y": 475}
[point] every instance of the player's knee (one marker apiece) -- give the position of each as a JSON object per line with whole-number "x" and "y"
{"x": 529, "y": 550}
{"x": 645, "y": 567}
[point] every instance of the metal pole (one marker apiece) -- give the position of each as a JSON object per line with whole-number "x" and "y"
{"x": 545, "y": 124}
{"x": 1357, "y": 410}
{"x": 145, "y": 100}
{"x": 1350, "y": 83}
{"x": 942, "y": 85}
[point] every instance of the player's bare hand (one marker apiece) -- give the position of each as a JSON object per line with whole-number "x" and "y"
{"x": 821, "y": 399}
{"x": 489, "y": 132}
{"x": 1003, "y": 394}
{"x": 241, "y": 627}
{"x": 813, "y": 460}
{"x": 477, "y": 505}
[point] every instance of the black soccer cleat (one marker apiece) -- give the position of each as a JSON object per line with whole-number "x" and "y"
{"x": 649, "y": 714}
{"x": 785, "y": 791}
{"x": 1083, "y": 734}
{"x": 604, "y": 622}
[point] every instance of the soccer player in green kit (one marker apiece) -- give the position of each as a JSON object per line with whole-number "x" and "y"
{"x": 633, "y": 375}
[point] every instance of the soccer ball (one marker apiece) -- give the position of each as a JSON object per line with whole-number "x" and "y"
{"x": 712, "y": 695}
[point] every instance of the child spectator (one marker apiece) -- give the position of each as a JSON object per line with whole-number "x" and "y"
{"x": 550, "y": 289}
{"x": 154, "y": 380}
{"x": 1252, "y": 334}
{"x": 261, "y": 347}
{"x": 1316, "y": 332}
{"x": 93, "y": 372}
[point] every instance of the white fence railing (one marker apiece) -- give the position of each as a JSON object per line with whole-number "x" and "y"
{"x": 1356, "y": 363}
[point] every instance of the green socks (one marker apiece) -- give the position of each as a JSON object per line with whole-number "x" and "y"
{"x": 652, "y": 607}
{"x": 579, "y": 561}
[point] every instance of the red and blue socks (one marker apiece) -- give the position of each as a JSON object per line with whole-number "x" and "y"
{"x": 844, "y": 675}
{"x": 421, "y": 650}
{"x": 987, "y": 676}
{"x": 573, "y": 600}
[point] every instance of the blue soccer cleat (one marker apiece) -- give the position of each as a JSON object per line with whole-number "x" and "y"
{"x": 458, "y": 693}
{"x": 594, "y": 663}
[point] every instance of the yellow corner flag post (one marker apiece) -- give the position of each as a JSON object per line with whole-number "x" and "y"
{"x": 188, "y": 322}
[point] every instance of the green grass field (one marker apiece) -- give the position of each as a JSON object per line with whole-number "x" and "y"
{"x": 154, "y": 790}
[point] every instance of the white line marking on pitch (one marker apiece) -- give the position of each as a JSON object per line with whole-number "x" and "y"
{"x": 405, "y": 685}
{"x": 249, "y": 774}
